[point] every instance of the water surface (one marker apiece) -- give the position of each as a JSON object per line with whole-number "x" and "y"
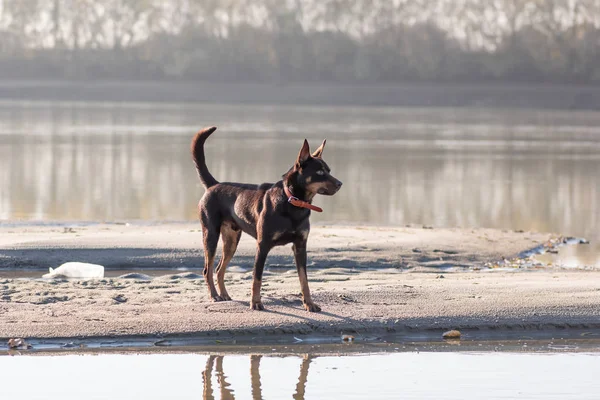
{"x": 507, "y": 169}
{"x": 410, "y": 375}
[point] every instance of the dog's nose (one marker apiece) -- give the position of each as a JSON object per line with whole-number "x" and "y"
{"x": 338, "y": 184}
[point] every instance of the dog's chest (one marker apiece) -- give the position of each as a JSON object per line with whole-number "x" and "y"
{"x": 288, "y": 236}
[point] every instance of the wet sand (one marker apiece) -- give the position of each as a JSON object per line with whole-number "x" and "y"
{"x": 401, "y": 294}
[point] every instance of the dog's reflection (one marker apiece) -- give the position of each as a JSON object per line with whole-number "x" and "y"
{"x": 216, "y": 363}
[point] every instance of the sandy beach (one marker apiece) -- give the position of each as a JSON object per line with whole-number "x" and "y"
{"x": 366, "y": 279}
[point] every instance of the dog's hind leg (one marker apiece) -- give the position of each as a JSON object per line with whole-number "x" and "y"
{"x": 230, "y": 235}
{"x": 210, "y": 232}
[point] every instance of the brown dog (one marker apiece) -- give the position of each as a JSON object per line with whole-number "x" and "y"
{"x": 274, "y": 214}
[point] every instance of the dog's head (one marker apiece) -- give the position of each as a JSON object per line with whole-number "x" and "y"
{"x": 313, "y": 174}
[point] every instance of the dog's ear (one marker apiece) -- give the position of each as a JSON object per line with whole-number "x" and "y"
{"x": 304, "y": 154}
{"x": 318, "y": 152}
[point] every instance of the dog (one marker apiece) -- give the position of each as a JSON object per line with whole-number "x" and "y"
{"x": 274, "y": 214}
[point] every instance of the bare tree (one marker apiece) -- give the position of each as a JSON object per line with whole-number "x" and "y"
{"x": 302, "y": 40}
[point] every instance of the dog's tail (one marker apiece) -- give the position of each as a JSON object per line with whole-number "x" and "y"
{"x": 198, "y": 153}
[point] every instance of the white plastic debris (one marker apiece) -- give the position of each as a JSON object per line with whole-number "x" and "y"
{"x": 76, "y": 270}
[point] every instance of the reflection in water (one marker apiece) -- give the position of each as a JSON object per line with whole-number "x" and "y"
{"x": 444, "y": 167}
{"x": 226, "y": 393}
{"x": 406, "y": 375}
{"x": 255, "y": 376}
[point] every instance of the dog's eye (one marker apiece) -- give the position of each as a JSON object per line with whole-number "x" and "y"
{"x": 320, "y": 172}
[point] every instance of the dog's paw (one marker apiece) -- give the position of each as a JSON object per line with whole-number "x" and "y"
{"x": 257, "y": 306}
{"x": 217, "y": 298}
{"x": 225, "y": 297}
{"x": 311, "y": 307}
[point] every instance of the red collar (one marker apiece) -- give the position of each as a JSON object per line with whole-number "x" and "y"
{"x": 299, "y": 203}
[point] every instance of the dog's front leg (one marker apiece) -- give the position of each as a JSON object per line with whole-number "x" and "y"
{"x": 300, "y": 257}
{"x": 259, "y": 265}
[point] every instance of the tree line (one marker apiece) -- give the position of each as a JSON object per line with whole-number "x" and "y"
{"x": 278, "y": 41}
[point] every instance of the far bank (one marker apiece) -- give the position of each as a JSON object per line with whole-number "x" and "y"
{"x": 488, "y": 95}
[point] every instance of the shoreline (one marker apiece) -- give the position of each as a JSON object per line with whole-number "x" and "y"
{"x": 571, "y": 340}
{"x": 412, "y": 291}
{"x": 484, "y": 95}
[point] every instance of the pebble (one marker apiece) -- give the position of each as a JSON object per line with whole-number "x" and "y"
{"x": 453, "y": 334}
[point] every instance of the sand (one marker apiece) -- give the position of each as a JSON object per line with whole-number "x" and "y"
{"x": 137, "y": 246}
{"x": 365, "y": 279}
